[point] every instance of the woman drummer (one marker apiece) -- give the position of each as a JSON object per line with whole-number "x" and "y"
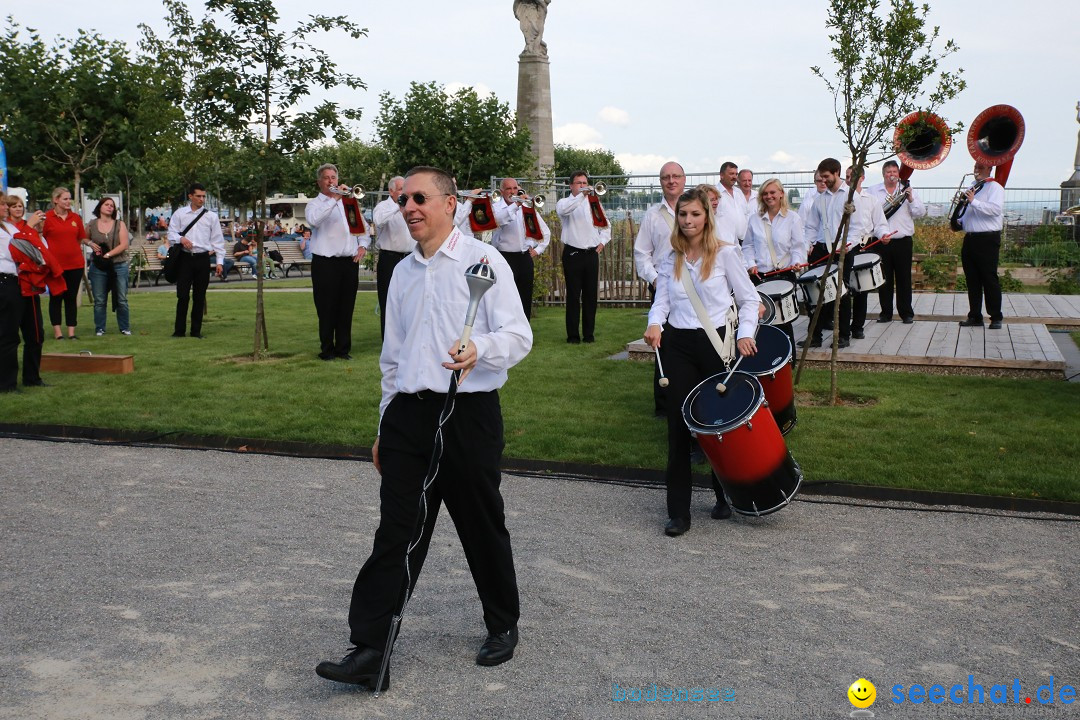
{"x": 776, "y": 234}
{"x": 716, "y": 269}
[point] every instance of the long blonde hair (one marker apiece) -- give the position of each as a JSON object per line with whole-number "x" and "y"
{"x": 710, "y": 243}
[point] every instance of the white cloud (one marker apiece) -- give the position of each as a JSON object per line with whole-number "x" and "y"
{"x": 615, "y": 116}
{"x": 578, "y": 135}
{"x": 642, "y": 164}
{"x": 481, "y": 89}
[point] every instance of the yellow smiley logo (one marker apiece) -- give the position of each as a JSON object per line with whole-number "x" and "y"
{"x": 862, "y": 693}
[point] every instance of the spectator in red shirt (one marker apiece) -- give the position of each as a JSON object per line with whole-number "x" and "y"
{"x": 65, "y": 234}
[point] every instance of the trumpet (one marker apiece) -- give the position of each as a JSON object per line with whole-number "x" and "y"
{"x": 356, "y": 191}
{"x": 598, "y": 189}
{"x": 536, "y": 201}
{"x": 492, "y": 195}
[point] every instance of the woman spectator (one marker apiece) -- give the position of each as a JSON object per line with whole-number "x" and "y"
{"x": 716, "y": 269}
{"x": 109, "y": 269}
{"x": 33, "y": 279}
{"x": 65, "y": 235}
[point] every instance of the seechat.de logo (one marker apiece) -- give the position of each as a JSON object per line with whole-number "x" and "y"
{"x": 862, "y": 695}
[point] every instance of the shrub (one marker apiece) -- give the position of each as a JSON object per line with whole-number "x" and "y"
{"x": 939, "y": 271}
{"x": 1064, "y": 281}
{"x": 1010, "y": 284}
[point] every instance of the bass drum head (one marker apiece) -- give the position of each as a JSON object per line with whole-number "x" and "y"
{"x": 707, "y": 411}
{"x": 773, "y": 352}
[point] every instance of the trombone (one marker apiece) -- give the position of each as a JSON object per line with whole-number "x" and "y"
{"x": 356, "y": 191}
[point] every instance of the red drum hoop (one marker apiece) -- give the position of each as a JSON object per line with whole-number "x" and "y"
{"x": 738, "y": 434}
{"x": 771, "y": 365}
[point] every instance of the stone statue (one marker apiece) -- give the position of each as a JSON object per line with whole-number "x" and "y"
{"x": 531, "y": 15}
{"x": 1076, "y": 161}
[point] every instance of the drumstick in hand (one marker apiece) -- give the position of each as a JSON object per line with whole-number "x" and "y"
{"x": 663, "y": 382}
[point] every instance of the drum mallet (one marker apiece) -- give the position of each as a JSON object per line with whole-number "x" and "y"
{"x": 663, "y": 382}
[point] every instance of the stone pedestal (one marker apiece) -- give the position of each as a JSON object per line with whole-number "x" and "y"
{"x": 534, "y": 108}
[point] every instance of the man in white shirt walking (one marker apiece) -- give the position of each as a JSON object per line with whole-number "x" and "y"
{"x": 425, "y": 312}
{"x": 335, "y": 256}
{"x": 393, "y": 243}
{"x": 582, "y": 244}
{"x": 198, "y": 240}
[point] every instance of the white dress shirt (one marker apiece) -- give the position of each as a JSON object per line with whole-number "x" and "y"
{"x": 731, "y": 216}
{"x": 653, "y": 243}
{"x": 510, "y": 235}
{"x": 986, "y": 213}
{"x": 7, "y": 263}
{"x": 672, "y": 304}
{"x": 205, "y": 235}
{"x": 461, "y": 218}
{"x": 788, "y": 243}
{"x": 903, "y": 220}
{"x": 751, "y": 203}
{"x": 330, "y": 236}
{"x": 808, "y": 203}
{"x": 868, "y": 220}
{"x": 391, "y": 231}
{"x": 578, "y": 230}
{"x": 824, "y": 218}
{"x": 425, "y": 313}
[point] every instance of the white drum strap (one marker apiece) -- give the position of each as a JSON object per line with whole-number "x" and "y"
{"x": 724, "y": 348}
{"x": 669, "y": 219}
{"x": 769, "y": 243}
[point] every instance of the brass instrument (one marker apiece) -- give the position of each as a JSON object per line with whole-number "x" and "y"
{"x": 492, "y": 195}
{"x": 599, "y": 189}
{"x": 995, "y": 136}
{"x": 921, "y": 141}
{"x": 536, "y": 201}
{"x": 356, "y": 191}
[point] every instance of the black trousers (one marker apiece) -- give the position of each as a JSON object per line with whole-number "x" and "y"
{"x": 688, "y": 358}
{"x": 384, "y": 270}
{"x": 334, "y": 281}
{"x": 192, "y": 279}
{"x": 467, "y": 482}
{"x": 979, "y": 257}
{"x": 896, "y": 266}
{"x": 521, "y": 264}
{"x": 69, "y": 299}
{"x": 33, "y": 336}
{"x": 11, "y": 306}
{"x": 858, "y": 299}
{"x": 582, "y": 271}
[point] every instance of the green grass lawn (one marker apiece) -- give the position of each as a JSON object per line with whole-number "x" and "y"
{"x": 566, "y": 403}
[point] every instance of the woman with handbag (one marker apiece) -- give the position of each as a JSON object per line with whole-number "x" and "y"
{"x": 109, "y": 265}
{"x": 715, "y": 270}
{"x": 65, "y": 234}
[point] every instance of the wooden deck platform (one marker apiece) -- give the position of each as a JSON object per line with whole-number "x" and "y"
{"x": 935, "y": 343}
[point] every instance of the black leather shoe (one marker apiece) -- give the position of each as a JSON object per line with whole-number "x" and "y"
{"x": 359, "y": 667}
{"x": 813, "y": 343}
{"x": 326, "y": 356}
{"x": 676, "y": 526}
{"x": 178, "y": 334}
{"x": 996, "y": 325}
{"x": 497, "y": 649}
{"x": 843, "y": 342}
{"x": 884, "y": 318}
{"x": 720, "y": 511}
{"x": 908, "y": 320}
{"x": 39, "y": 383}
{"x": 343, "y": 356}
{"x": 971, "y": 323}
{"x": 857, "y": 334}
{"x": 574, "y": 341}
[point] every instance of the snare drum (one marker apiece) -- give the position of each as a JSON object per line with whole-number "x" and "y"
{"x": 866, "y": 273}
{"x": 744, "y": 446}
{"x": 782, "y": 294}
{"x": 771, "y": 365}
{"x": 809, "y": 283}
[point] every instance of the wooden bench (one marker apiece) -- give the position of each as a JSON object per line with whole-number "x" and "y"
{"x": 291, "y": 254}
{"x": 149, "y": 264}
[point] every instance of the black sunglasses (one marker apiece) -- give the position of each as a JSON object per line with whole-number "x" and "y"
{"x": 418, "y": 198}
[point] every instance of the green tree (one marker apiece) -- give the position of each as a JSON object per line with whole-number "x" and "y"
{"x": 244, "y": 75}
{"x": 885, "y": 65}
{"x": 595, "y": 162}
{"x": 470, "y": 137}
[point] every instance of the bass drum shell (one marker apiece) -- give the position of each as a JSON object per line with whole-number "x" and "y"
{"x": 771, "y": 365}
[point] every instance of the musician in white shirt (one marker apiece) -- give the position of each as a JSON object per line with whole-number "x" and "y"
{"x": 582, "y": 244}
{"x": 775, "y": 233}
{"x": 393, "y": 242}
{"x": 716, "y": 271}
{"x": 982, "y": 223}
{"x": 867, "y": 222}
{"x": 193, "y": 268}
{"x": 652, "y": 247}
{"x": 732, "y": 214}
{"x": 512, "y": 242}
{"x": 746, "y": 186}
{"x": 428, "y": 300}
{"x": 896, "y": 253}
{"x": 820, "y": 225}
{"x": 335, "y": 256}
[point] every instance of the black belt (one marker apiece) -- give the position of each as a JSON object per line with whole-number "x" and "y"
{"x": 393, "y": 252}
{"x": 984, "y": 233}
{"x": 8, "y": 277}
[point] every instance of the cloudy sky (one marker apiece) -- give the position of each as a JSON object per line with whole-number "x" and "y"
{"x": 698, "y": 81}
